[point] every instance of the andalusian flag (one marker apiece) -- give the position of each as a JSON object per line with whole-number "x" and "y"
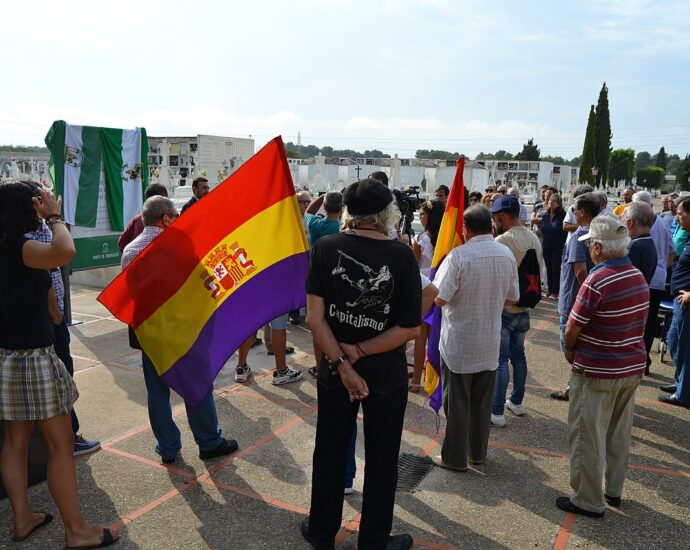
{"x": 449, "y": 236}
{"x": 78, "y": 157}
{"x": 228, "y": 266}
{"x": 126, "y": 173}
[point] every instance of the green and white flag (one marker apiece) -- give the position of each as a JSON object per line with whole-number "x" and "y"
{"x": 79, "y": 155}
{"x": 75, "y": 168}
{"x": 126, "y": 173}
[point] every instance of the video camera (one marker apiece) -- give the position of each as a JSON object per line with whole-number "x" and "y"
{"x": 407, "y": 201}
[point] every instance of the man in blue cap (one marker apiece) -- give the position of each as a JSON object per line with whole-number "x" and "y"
{"x": 513, "y": 233}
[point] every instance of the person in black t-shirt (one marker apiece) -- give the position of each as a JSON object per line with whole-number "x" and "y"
{"x": 638, "y": 217}
{"x": 363, "y": 304}
{"x": 29, "y": 365}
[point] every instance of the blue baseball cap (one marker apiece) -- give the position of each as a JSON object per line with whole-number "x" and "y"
{"x": 506, "y": 203}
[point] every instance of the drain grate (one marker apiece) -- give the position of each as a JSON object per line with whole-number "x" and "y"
{"x": 411, "y": 471}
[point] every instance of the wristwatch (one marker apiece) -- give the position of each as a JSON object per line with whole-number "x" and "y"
{"x": 333, "y": 365}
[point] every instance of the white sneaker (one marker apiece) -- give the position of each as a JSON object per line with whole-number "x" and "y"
{"x": 517, "y": 410}
{"x": 498, "y": 419}
{"x": 243, "y": 373}
{"x": 286, "y": 376}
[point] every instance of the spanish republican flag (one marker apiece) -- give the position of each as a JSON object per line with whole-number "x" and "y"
{"x": 449, "y": 236}
{"x": 230, "y": 264}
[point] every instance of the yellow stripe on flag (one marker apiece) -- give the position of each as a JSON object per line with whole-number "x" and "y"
{"x": 267, "y": 238}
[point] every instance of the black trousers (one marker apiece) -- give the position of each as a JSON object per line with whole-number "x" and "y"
{"x": 651, "y": 329}
{"x": 61, "y": 345}
{"x": 383, "y": 422}
{"x": 552, "y": 259}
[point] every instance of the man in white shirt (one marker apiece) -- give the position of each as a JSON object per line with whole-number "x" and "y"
{"x": 475, "y": 281}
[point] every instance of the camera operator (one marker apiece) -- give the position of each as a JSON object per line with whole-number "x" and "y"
{"x": 406, "y": 201}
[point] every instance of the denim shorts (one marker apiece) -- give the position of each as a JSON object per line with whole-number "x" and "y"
{"x": 280, "y": 323}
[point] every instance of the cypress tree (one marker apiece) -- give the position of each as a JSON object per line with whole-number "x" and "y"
{"x": 602, "y": 135}
{"x": 587, "y": 161}
{"x": 661, "y": 159}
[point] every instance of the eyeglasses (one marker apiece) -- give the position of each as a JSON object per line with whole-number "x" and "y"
{"x": 489, "y": 190}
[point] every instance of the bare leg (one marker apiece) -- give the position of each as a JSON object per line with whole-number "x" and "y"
{"x": 62, "y": 481}
{"x": 278, "y": 341}
{"x": 419, "y": 354}
{"x": 13, "y": 463}
{"x": 243, "y": 352}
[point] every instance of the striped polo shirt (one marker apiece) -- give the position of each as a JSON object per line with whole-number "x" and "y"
{"x": 611, "y": 307}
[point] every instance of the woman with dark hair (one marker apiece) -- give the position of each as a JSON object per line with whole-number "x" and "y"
{"x": 475, "y": 197}
{"x": 430, "y": 216}
{"x": 553, "y": 242}
{"x": 35, "y": 386}
{"x": 363, "y": 305}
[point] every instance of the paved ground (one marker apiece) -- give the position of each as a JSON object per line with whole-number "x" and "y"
{"x": 257, "y": 497}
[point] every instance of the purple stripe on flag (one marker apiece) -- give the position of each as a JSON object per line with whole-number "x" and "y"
{"x": 271, "y": 293}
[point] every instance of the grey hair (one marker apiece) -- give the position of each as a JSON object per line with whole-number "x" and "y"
{"x": 155, "y": 208}
{"x": 581, "y": 190}
{"x": 641, "y": 213}
{"x": 643, "y": 196}
{"x": 603, "y": 199}
{"x": 614, "y": 249}
{"x": 514, "y": 191}
{"x": 384, "y": 221}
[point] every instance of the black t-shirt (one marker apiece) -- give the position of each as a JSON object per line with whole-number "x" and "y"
{"x": 643, "y": 256}
{"x": 24, "y": 319}
{"x": 368, "y": 286}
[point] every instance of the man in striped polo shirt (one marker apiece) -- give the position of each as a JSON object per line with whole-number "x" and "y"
{"x": 605, "y": 346}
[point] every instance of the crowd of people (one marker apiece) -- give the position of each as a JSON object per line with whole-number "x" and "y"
{"x": 367, "y": 290}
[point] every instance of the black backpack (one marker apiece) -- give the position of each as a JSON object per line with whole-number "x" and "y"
{"x": 529, "y": 276}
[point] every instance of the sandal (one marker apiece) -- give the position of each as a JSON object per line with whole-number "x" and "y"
{"x": 107, "y": 540}
{"x": 313, "y": 371}
{"x": 561, "y": 395}
{"x": 47, "y": 518}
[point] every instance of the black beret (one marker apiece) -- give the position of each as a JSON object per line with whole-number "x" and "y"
{"x": 366, "y": 197}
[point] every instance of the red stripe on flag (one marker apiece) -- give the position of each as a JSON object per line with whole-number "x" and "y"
{"x": 141, "y": 289}
{"x": 457, "y": 196}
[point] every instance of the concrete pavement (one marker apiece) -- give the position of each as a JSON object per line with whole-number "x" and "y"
{"x": 257, "y": 497}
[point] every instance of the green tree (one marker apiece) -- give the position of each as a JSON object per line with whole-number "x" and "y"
{"x": 683, "y": 177}
{"x": 651, "y": 177}
{"x": 327, "y": 151}
{"x": 673, "y": 164}
{"x": 530, "y": 151}
{"x": 643, "y": 160}
{"x": 661, "y": 160}
{"x": 621, "y": 166}
{"x": 375, "y": 154}
{"x": 602, "y": 136}
{"x": 502, "y": 154}
{"x": 588, "y": 151}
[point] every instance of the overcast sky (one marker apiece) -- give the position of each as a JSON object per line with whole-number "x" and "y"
{"x": 397, "y": 75}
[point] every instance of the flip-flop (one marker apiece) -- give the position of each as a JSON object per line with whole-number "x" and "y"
{"x": 314, "y": 372}
{"x": 107, "y": 540}
{"x": 47, "y": 518}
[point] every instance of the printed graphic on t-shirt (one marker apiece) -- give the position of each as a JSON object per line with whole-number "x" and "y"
{"x": 375, "y": 287}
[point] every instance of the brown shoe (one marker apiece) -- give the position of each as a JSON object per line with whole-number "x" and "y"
{"x": 561, "y": 395}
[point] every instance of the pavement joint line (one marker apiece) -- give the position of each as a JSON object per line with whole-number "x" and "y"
{"x": 429, "y": 447}
{"x": 205, "y": 477}
{"x": 132, "y": 516}
{"x": 564, "y": 532}
{"x": 541, "y": 326}
{"x": 276, "y": 400}
{"x": 554, "y": 454}
{"x": 92, "y": 315}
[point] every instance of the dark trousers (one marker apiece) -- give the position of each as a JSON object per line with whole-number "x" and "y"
{"x": 467, "y": 406}
{"x": 552, "y": 259}
{"x": 651, "y": 329}
{"x": 383, "y": 422}
{"x": 61, "y": 345}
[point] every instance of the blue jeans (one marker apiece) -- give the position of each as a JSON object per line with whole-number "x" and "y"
{"x": 203, "y": 419}
{"x": 351, "y": 464}
{"x": 514, "y": 326}
{"x": 563, "y": 320}
{"x": 679, "y": 345}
